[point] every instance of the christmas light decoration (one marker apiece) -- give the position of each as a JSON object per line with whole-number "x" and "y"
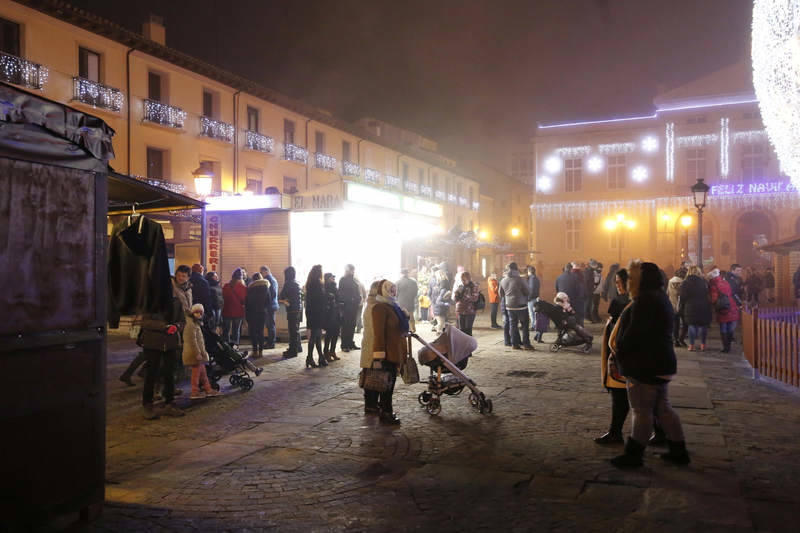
{"x": 776, "y": 77}
{"x": 749, "y": 137}
{"x": 590, "y": 122}
{"x": 426, "y": 190}
{"x": 640, "y": 173}
{"x": 544, "y": 183}
{"x": 412, "y": 187}
{"x": 462, "y": 201}
{"x": 724, "y": 146}
{"x": 350, "y": 169}
{"x": 650, "y": 144}
{"x": 163, "y": 114}
{"x": 693, "y": 141}
{"x": 372, "y": 176}
{"x": 292, "y": 152}
{"x": 741, "y": 189}
{"x": 391, "y": 181}
{"x": 476, "y": 207}
{"x": 595, "y": 164}
{"x": 553, "y": 164}
{"x": 440, "y": 195}
{"x": 260, "y": 143}
{"x": 215, "y": 129}
{"x": 96, "y": 94}
{"x": 573, "y": 152}
{"x": 163, "y": 184}
{"x": 324, "y": 161}
{"x": 20, "y": 71}
{"x": 452, "y": 198}
{"x": 670, "y": 151}
{"x": 616, "y": 148}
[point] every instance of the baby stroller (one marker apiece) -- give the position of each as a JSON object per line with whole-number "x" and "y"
{"x": 566, "y": 336}
{"x": 447, "y": 357}
{"x": 224, "y": 359}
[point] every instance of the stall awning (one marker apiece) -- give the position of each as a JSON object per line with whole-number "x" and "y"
{"x": 125, "y": 193}
{"x": 782, "y": 246}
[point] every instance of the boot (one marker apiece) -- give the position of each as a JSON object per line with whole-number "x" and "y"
{"x": 322, "y": 359}
{"x": 658, "y": 438}
{"x": 310, "y": 362}
{"x": 632, "y": 458}
{"x": 677, "y": 453}
{"x": 610, "y": 438}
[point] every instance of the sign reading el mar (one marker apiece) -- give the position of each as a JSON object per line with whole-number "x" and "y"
{"x": 764, "y": 187}
{"x": 317, "y": 201}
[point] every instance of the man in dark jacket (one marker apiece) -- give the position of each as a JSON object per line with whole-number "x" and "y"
{"x": 645, "y": 356}
{"x": 565, "y": 282}
{"x": 290, "y": 297}
{"x": 534, "y": 285}
{"x": 272, "y": 308}
{"x": 734, "y": 279}
{"x": 350, "y": 296}
{"x": 201, "y": 293}
{"x": 579, "y": 301}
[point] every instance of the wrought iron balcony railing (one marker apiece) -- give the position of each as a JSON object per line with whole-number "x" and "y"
{"x": 412, "y": 187}
{"x": 215, "y": 129}
{"x": 324, "y": 161}
{"x": 462, "y": 201}
{"x": 96, "y": 94}
{"x": 163, "y": 114}
{"x": 452, "y": 198}
{"x": 259, "y": 143}
{"x": 391, "y": 181}
{"x": 292, "y": 152}
{"x": 426, "y": 190}
{"x": 476, "y": 206}
{"x": 440, "y": 195}
{"x": 350, "y": 169}
{"x": 372, "y": 176}
{"x": 20, "y": 71}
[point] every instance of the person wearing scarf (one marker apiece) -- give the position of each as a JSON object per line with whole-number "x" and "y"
{"x": 389, "y": 346}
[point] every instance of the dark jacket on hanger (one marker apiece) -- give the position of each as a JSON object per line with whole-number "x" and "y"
{"x": 138, "y": 270}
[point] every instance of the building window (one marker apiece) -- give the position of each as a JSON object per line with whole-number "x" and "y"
{"x": 156, "y": 163}
{"x": 695, "y": 164}
{"x": 210, "y": 104}
{"x": 289, "y": 185}
{"x": 319, "y": 142}
{"x": 573, "y": 175}
{"x": 405, "y": 171}
{"x": 346, "y": 151}
{"x": 252, "y": 119}
{"x": 154, "y": 86}
{"x": 616, "y": 171}
{"x": 753, "y": 162}
{"x": 573, "y": 234}
{"x": 288, "y": 132}
{"x": 9, "y": 37}
{"x": 521, "y": 165}
{"x": 255, "y": 180}
{"x": 421, "y": 173}
{"x": 88, "y": 65}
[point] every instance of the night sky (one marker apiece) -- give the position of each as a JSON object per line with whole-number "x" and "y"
{"x": 466, "y": 72}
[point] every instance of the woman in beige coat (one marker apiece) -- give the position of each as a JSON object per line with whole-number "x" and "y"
{"x": 390, "y": 324}
{"x": 195, "y": 354}
{"x": 370, "y": 397}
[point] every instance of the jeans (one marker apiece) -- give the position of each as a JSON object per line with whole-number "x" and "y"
{"x": 697, "y": 331}
{"x": 138, "y": 360}
{"x": 255, "y": 326}
{"x": 531, "y": 313}
{"x": 519, "y": 318}
{"x": 349, "y": 320}
{"x": 726, "y": 330}
{"x": 270, "y": 324}
{"x": 293, "y": 317}
{"x": 495, "y": 306}
{"x": 164, "y": 361}
{"x": 423, "y": 313}
{"x": 619, "y": 410}
{"x": 465, "y": 323}
{"x": 506, "y": 327}
{"x": 647, "y": 400}
{"x": 231, "y": 329}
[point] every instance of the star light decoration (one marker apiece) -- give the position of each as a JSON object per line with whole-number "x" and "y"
{"x": 595, "y": 164}
{"x": 544, "y": 183}
{"x": 650, "y": 144}
{"x": 553, "y": 164}
{"x": 640, "y": 173}
{"x": 776, "y": 77}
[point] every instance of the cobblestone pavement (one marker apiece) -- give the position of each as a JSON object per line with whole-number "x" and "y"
{"x": 296, "y": 453}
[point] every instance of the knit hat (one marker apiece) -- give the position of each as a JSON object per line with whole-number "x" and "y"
{"x": 713, "y": 274}
{"x": 561, "y": 297}
{"x": 198, "y": 307}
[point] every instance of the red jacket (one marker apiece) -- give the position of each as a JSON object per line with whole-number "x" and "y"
{"x": 720, "y": 286}
{"x": 234, "y": 297}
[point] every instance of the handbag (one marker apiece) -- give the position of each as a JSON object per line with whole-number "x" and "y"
{"x": 480, "y": 303}
{"x": 613, "y": 369}
{"x": 374, "y": 379}
{"x": 410, "y": 372}
{"x": 159, "y": 340}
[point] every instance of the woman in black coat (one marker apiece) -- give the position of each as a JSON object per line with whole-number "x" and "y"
{"x": 315, "y": 315}
{"x": 695, "y": 306}
{"x": 333, "y": 318}
{"x": 255, "y": 311}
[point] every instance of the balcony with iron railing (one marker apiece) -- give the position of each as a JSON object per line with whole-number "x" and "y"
{"x": 452, "y": 198}
{"x": 259, "y": 143}
{"x": 391, "y": 181}
{"x": 96, "y": 94}
{"x": 372, "y": 176}
{"x": 20, "y": 71}
{"x": 163, "y": 114}
{"x": 215, "y": 129}
{"x": 476, "y": 206}
{"x": 426, "y": 190}
{"x": 351, "y": 170}
{"x": 440, "y": 195}
{"x": 324, "y": 161}
{"x": 411, "y": 187}
{"x": 462, "y": 201}
{"x": 292, "y": 152}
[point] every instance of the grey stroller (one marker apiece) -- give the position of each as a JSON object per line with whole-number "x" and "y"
{"x": 447, "y": 357}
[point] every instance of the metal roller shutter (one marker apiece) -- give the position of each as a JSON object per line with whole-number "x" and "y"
{"x": 253, "y": 239}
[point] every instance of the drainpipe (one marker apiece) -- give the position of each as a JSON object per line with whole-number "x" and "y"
{"x": 307, "y": 151}
{"x": 235, "y": 145}
{"x": 128, "y": 90}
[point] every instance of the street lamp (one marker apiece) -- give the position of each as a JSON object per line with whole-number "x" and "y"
{"x": 619, "y": 224}
{"x": 203, "y": 179}
{"x": 515, "y": 232}
{"x": 700, "y": 193}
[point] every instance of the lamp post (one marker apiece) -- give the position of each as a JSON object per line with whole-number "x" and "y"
{"x": 699, "y": 194}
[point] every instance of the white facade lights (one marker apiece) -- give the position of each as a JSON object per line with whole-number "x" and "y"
{"x": 650, "y": 144}
{"x": 595, "y": 164}
{"x": 724, "y": 146}
{"x": 544, "y": 183}
{"x": 670, "y": 151}
{"x": 553, "y": 164}
{"x": 640, "y": 173}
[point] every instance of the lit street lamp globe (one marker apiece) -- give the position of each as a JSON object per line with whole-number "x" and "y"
{"x": 776, "y": 77}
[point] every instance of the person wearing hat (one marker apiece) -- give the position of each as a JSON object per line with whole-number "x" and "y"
{"x": 195, "y": 355}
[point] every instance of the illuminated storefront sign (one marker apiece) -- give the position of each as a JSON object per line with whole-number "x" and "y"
{"x": 378, "y": 198}
{"x": 421, "y": 207}
{"x": 213, "y": 229}
{"x": 736, "y": 189}
{"x": 243, "y": 202}
{"x": 324, "y": 198}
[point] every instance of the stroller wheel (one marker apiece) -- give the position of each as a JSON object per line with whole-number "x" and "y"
{"x": 424, "y": 397}
{"x": 434, "y": 407}
{"x": 486, "y": 406}
{"x": 555, "y": 347}
{"x": 259, "y": 370}
{"x": 246, "y": 384}
{"x": 474, "y": 400}
{"x": 214, "y": 385}
{"x": 234, "y": 379}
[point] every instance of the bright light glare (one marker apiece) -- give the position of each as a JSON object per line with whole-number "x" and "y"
{"x": 665, "y": 217}
{"x": 650, "y": 144}
{"x": 686, "y": 221}
{"x": 515, "y": 232}
{"x": 203, "y": 185}
{"x": 630, "y": 223}
{"x": 610, "y": 224}
{"x": 620, "y": 217}
{"x": 595, "y": 163}
{"x": 553, "y": 164}
{"x": 544, "y": 183}
{"x": 484, "y": 235}
{"x": 640, "y": 173}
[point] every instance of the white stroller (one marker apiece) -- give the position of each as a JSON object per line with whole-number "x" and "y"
{"x": 447, "y": 357}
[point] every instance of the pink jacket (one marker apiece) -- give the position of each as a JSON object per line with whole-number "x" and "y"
{"x": 720, "y": 286}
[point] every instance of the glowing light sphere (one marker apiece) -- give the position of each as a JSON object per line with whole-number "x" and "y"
{"x": 631, "y": 224}
{"x": 650, "y": 144}
{"x": 640, "y": 173}
{"x": 686, "y": 221}
{"x": 515, "y": 232}
{"x": 610, "y": 224}
{"x": 553, "y": 164}
{"x": 544, "y": 183}
{"x": 484, "y": 235}
{"x": 776, "y": 77}
{"x": 595, "y": 164}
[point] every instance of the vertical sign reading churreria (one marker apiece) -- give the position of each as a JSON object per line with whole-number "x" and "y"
{"x": 213, "y": 226}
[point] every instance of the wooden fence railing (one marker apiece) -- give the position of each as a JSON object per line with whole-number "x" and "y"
{"x": 771, "y": 341}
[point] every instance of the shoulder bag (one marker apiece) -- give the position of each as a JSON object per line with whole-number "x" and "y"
{"x": 374, "y": 379}
{"x": 410, "y": 372}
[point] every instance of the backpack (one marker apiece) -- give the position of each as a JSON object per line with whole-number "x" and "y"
{"x": 480, "y": 303}
{"x": 722, "y": 304}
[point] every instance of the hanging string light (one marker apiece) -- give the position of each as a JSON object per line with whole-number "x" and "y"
{"x": 724, "y": 150}
{"x": 616, "y": 148}
{"x": 260, "y": 143}
{"x": 693, "y": 141}
{"x": 20, "y": 71}
{"x": 749, "y": 137}
{"x": 670, "y": 151}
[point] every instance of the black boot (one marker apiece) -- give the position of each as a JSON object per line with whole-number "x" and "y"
{"x": 632, "y": 458}
{"x": 658, "y": 438}
{"x": 677, "y": 453}
{"x": 610, "y": 438}
{"x": 323, "y": 360}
